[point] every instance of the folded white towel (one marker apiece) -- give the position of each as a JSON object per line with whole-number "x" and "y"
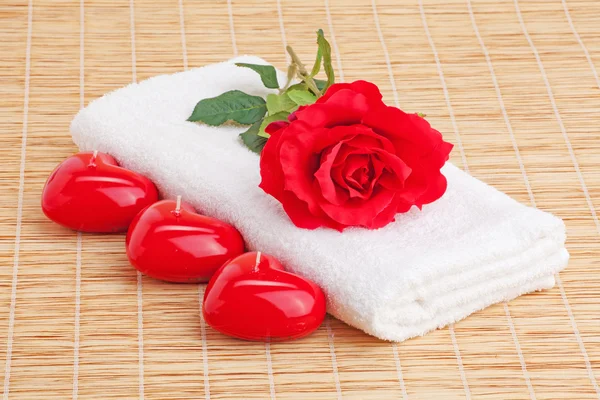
{"x": 472, "y": 248}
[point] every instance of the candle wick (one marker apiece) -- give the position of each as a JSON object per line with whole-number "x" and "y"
{"x": 178, "y": 207}
{"x": 93, "y": 159}
{"x": 258, "y": 255}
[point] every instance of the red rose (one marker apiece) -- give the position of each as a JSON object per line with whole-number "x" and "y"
{"x": 350, "y": 160}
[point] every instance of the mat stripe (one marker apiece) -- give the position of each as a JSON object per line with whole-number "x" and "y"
{"x": 334, "y": 366}
{"x": 436, "y": 57}
{"x": 585, "y": 50}
{"x": 132, "y": 33}
{"x": 444, "y": 87}
{"x": 81, "y": 53}
{"x": 140, "y": 309}
{"x": 327, "y": 324}
{"x": 505, "y": 115}
{"x": 282, "y": 29}
{"x": 560, "y": 285}
{"x": 386, "y": 54}
{"x": 523, "y": 173}
{"x": 586, "y": 358}
{"x": 183, "y": 41}
{"x": 557, "y": 115}
{"x": 565, "y": 300}
{"x": 76, "y": 340}
{"x": 79, "y": 238}
{"x": 330, "y": 335}
{"x": 334, "y": 44}
{"x": 17, "y": 248}
{"x": 140, "y": 302}
{"x": 231, "y": 28}
{"x": 77, "y": 318}
{"x": 461, "y": 368}
{"x": 267, "y": 344}
{"x": 501, "y": 101}
{"x": 513, "y": 332}
{"x": 399, "y": 370}
{"x": 397, "y": 102}
{"x": 270, "y": 370}
{"x": 201, "y": 289}
{"x": 268, "y": 350}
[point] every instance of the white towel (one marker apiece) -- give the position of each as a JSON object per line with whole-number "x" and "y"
{"x": 472, "y": 248}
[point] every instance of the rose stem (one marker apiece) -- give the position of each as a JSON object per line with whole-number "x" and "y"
{"x": 292, "y": 69}
{"x": 302, "y": 73}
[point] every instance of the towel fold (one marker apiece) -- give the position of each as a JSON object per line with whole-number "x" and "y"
{"x": 472, "y": 248}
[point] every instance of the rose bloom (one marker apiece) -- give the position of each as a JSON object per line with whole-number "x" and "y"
{"x": 350, "y": 160}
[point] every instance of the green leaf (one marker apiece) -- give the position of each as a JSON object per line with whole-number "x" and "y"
{"x": 321, "y": 84}
{"x": 267, "y": 73}
{"x": 281, "y": 116}
{"x": 325, "y": 49}
{"x": 251, "y": 139}
{"x": 302, "y": 97}
{"x": 279, "y": 102}
{"x": 230, "y": 106}
{"x": 298, "y": 86}
{"x": 317, "y": 65}
{"x": 302, "y": 86}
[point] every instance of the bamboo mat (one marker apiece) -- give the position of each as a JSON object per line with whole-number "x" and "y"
{"x": 513, "y": 83}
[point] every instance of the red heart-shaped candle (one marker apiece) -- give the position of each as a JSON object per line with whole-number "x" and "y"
{"x": 169, "y": 241}
{"x": 252, "y": 297}
{"x": 89, "y": 192}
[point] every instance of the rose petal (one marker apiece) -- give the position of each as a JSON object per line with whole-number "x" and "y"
{"x": 336, "y": 87}
{"x": 292, "y": 116}
{"x": 438, "y": 156}
{"x": 395, "y": 173}
{"x": 368, "y": 89}
{"x": 272, "y": 178}
{"x": 387, "y": 215}
{"x": 275, "y": 126}
{"x": 415, "y": 186}
{"x": 353, "y": 163}
{"x": 395, "y": 124}
{"x": 394, "y": 164}
{"x": 349, "y": 160}
{"x": 302, "y": 217}
{"x": 299, "y": 162}
{"x": 344, "y": 107}
{"x": 436, "y": 188}
{"x": 358, "y": 136}
{"x": 349, "y": 99}
{"x": 359, "y": 212}
{"x": 338, "y": 176}
{"x": 378, "y": 167}
{"x": 371, "y": 92}
{"x": 362, "y": 176}
{"x": 390, "y": 122}
{"x": 347, "y": 151}
{"x": 329, "y": 189}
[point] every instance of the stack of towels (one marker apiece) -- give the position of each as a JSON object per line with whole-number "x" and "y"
{"x": 472, "y": 248}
